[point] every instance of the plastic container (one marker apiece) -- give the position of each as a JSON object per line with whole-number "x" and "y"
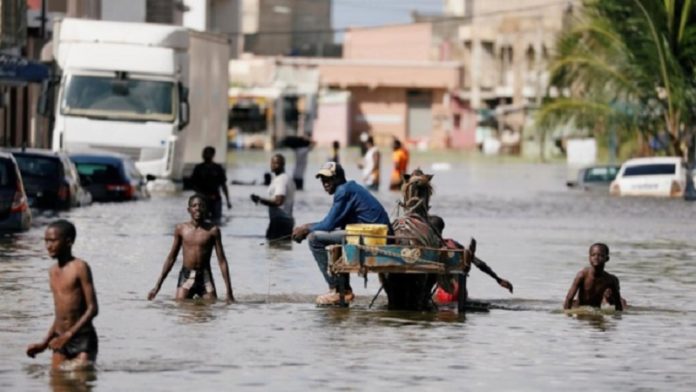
{"x": 375, "y": 234}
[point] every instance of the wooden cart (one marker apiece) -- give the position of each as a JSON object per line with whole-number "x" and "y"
{"x": 363, "y": 259}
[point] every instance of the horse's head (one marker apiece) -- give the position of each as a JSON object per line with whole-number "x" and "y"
{"x": 417, "y": 191}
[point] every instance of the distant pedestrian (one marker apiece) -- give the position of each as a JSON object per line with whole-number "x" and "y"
{"x": 207, "y": 179}
{"x": 370, "y": 165}
{"x": 198, "y": 237}
{"x": 281, "y": 197}
{"x": 364, "y": 135}
{"x": 591, "y": 284}
{"x": 400, "y": 157}
{"x": 335, "y": 149}
{"x": 72, "y": 336}
{"x": 301, "y": 145}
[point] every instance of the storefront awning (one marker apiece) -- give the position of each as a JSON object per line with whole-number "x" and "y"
{"x": 15, "y": 69}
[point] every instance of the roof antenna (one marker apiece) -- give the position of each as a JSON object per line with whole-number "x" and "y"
{"x": 24, "y": 146}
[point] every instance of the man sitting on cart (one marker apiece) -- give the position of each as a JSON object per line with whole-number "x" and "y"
{"x": 351, "y": 204}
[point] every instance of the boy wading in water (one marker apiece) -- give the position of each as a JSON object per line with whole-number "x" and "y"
{"x": 198, "y": 238}
{"x": 72, "y": 336}
{"x": 593, "y": 283}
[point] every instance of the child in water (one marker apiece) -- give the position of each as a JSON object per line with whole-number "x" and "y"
{"x": 198, "y": 237}
{"x": 593, "y": 284}
{"x": 441, "y": 295}
{"x": 72, "y": 336}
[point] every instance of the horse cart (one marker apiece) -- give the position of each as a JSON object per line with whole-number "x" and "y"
{"x": 421, "y": 267}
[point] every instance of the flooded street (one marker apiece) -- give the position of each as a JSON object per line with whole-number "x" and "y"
{"x": 530, "y": 229}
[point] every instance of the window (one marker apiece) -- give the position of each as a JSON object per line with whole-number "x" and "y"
{"x": 7, "y": 173}
{"x": 147, "y": 100}
{"x": 35, "y": 166}
{"x": 99, "y": 173}
{"x": 651, "y": 170}
{"x": 600, "y": 174}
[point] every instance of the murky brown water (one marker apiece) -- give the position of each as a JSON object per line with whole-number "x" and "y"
{"x": 529, "y": 228}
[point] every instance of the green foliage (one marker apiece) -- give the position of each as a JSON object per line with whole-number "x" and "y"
{"x": 628, "y": 65}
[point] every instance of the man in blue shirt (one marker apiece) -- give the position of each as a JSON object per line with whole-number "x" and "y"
{"x": 351, "y": 204}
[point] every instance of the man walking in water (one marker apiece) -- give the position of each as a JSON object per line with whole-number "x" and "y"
{"x": 281, "y": 198}
{"x": 198, "y": 237}
{"x": 207, "y": 179}
{"x": 400, "y": 158}
{"x": 72, "y": 336}
{"x": 370, "y": 165}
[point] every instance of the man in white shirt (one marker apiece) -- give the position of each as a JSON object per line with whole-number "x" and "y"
{"x": 370, "y": 165}
{"x": 281, "y": 197}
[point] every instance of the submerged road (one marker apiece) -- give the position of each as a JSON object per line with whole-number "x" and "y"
{"x": 529, "y": 228}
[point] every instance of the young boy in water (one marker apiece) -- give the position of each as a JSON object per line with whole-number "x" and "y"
{"x": 592, "y": 283}
{"x": 72, "y": 336}
{"x": 198, "y": 237}
{"x": 442, "y": 296}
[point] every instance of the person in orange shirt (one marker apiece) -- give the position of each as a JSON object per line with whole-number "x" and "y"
{"x": 400, "y": 158}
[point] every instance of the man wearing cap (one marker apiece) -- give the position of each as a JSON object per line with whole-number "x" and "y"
{"x": 352, "y": 203}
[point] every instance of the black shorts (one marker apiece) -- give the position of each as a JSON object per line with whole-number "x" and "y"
{"x": 196, "y": 282}
{"x": 84, "y": 341}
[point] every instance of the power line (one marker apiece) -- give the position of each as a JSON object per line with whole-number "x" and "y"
{"x": 437, "y": 21}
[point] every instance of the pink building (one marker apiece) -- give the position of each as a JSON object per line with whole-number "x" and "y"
{"x": 400, "y": 87}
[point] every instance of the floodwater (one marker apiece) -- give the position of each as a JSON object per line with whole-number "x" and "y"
{"x": 529, "y": 228}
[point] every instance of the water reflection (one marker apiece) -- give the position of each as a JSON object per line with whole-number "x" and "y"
{"x": 74, "y": 381}
{"x": 197, "y": 311}
{"x": 63, "y": 381}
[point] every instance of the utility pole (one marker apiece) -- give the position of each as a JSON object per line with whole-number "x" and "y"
{"x": 42, "y": 30}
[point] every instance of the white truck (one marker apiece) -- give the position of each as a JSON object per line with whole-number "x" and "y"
{"x": 157, "y": 93}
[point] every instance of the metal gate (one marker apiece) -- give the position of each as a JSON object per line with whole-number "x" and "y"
{"x": 420, "y": 118}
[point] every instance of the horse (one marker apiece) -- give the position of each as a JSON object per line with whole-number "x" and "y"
{"x": 412, "y": 228}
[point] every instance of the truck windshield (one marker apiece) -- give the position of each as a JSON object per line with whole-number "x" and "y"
{"x": 128, "y": 99}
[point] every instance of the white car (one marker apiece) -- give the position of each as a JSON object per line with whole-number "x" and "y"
{"x": 656, "y": 176}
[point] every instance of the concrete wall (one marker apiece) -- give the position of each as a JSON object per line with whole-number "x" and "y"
{"x": 404, "y": 42}
{"x": 391, "y": 74}
{"x": 381, "y": 111}
{"x": 115, "y": 11}
{"x": 333, "y": 117}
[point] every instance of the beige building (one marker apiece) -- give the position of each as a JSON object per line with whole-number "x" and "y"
{"x": 287, "y": 27}
{"x": 506, "y": 47}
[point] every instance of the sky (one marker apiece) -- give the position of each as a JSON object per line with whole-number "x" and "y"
{"x": 359, "y": 13}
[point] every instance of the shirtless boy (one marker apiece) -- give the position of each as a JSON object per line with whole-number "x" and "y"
{"x": 592, "y": 282}
{"x": 72, "y": 336}
{"x": 441, "y": 295}
{"x": 198, "y": 238}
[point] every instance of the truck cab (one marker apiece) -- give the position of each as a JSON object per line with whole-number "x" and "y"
{"x": 124, "y": 88}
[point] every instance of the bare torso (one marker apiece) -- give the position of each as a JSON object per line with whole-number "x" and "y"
{"x": 198, "y": 244}
{"x": 68, "y": 296}
{"x": 592, "y": 287}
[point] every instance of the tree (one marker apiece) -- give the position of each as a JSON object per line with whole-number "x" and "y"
{"x": 632, "y": 64}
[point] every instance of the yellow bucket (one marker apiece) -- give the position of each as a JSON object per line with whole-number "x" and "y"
{"x": 375, "y": 234}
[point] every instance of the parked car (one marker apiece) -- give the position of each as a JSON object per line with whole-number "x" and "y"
{"x": 50, "y": 179}
{"x": 15, "y": 214}
{"x": 595, "y": 178}
{"x": 110, "y": 176}
{"x": 657, "y": 176}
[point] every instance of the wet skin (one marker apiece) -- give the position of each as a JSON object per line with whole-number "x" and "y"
{"x": 592, "y": 282}
{"x": 198, "y": 239}
{"x": 74, "y": 298}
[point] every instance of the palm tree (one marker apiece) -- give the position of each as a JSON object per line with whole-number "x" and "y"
{"x": 631, "y": 64}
